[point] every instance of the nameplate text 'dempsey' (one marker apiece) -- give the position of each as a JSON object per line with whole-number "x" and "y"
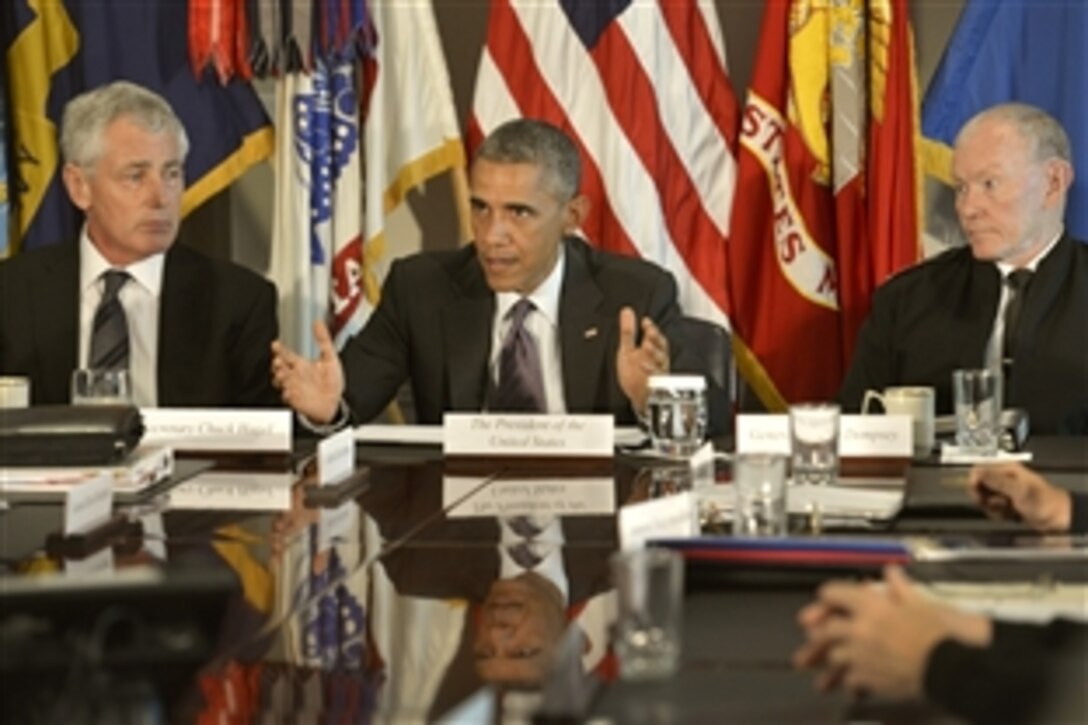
{"x": 860, "y": 436}
{"x": 218, "y": 429}
{"x": 472, "y": 434}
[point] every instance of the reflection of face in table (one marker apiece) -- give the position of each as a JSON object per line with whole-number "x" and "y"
{"x": 516, "y": 631}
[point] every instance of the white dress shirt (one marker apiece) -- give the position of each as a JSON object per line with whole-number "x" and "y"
{"x": 140, "y": 298}
{"x": 994, "y": 353}
{"x": 542, "y": 324}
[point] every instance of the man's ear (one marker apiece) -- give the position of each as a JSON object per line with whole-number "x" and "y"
{"x": 75, "y": 181}
{"x": 1059, "y": 177}
{"x": 576, "y": 211}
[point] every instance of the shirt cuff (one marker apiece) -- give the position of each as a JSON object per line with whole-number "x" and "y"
{"x": 342, "y": 419}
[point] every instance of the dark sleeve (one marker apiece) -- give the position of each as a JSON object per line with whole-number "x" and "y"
{"x": 251, "y": 350}
{"x": 873, "y": 364}
{"x": 1078, "y": 522}
{"x": 1004, "y": 682}
{"x": 376, "y": 359}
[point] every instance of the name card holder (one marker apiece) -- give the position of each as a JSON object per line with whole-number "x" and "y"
{"x": 234, "y": 439}
{"x": 528, "y": 444}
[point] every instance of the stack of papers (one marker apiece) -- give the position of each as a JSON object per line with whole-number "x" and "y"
{"x": 144, "y": 467}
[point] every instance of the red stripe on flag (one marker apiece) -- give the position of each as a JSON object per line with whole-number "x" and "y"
{"x": 708, "y": 75}
{"x": 634, "y": 105}
{"x": 512, "y": 53}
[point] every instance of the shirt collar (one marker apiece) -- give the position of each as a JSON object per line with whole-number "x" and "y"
{"x": 147, "y": 272}
{"x": 1006, "y": 269}
{"x": 545, "y": 297}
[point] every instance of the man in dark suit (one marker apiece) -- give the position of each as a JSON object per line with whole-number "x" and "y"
{"x": 600, "y": 323}
{"x": 1012, "y": 171}
{"x": 197, "y": 331}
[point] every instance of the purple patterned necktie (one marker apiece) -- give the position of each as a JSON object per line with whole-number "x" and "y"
{"x": 520, "y": 387}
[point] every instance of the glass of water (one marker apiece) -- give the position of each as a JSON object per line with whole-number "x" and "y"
{"x": 814, "y": 442}
{"x": 759, "y": 480}
{"x": 101, "y": 387}
{"x": 677, "y": 414}
{"x": 649, "y": 590}
{"x": 977, "y": 394}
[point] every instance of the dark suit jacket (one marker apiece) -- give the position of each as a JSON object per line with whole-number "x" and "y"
{"x": 938, "y": 316}
{"x": 433, "y": 327}
{"x": 217, "y": 321}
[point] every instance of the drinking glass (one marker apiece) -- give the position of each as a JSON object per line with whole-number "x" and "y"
{"x": 760, "y": 483}
{"x": 977, "y": 395}
{"x": 677, "y": 413}
{"x": 649, "y": 588}
{"x": 814, "y": 442}
{"x": 101, "y": 387}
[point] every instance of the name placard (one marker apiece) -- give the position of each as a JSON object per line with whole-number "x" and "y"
{"x": 860, "y": 436}
{"x": 472, "y": 434}
{"x": 336, "y": 457}
{"x": 668, "y": 517}
{"x": 88, "y": 505}
{"x": 218, "y": 429}
{"x": 529, "y": 497}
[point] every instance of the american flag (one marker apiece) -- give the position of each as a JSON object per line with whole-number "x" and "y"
{"x": 643, "y": 90}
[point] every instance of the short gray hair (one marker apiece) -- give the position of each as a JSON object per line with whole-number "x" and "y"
{"x": 87, "y": 115}
{"x": 530, "y": 141}
{"x": 1046, "y": 134}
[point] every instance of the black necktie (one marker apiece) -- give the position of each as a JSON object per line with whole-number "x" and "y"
{"x": 1017, "y": 282}
{"x": 109, "y": 336}
{"x": 520, "y": 387}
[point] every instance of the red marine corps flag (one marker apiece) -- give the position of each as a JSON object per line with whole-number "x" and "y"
{"x": 827, "y": 202}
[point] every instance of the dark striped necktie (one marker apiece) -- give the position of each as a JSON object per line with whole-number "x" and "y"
{"x": 1017, "y": 282}
{"x": 520, "y": 387}
{"x": 109, "y": 336}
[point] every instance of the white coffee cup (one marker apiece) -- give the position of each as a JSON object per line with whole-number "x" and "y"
{"x": 917, "y": 401}
{"x": 14, "y": 391}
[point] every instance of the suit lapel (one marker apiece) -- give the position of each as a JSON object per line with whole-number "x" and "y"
{"x": 183, "y": 327}
{"x": 980, "y": 299}
{"x": 466, "y": 327}
{"x": 57, "y": 295}
{"x": 584, "y": 333}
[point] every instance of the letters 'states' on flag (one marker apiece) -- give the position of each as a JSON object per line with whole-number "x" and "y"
{"x": 642, "y": 89}
{"x": 1034, "y": 53}
{"x": 827, "y": 204}
{"x": 346, "y": 160}
{"x": 54, "y": 51}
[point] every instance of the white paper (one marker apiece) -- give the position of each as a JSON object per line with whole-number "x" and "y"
{"x": 419, "y": 435}
{"x": 952, "y": 455}
{"x": 1022, "y": 602}
{"x": 88, "y": 505}
{"x": 529, "y": 496}
{"x": 659, "y": 518}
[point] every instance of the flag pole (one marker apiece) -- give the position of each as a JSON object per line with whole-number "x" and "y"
{"x": 461, "y": 198}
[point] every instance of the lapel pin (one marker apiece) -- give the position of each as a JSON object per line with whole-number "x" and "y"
{"x": 591, "y": 332}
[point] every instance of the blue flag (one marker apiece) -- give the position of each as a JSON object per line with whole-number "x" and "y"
{"x": 1031, "y": 52}
{"x": 54, "y": 51}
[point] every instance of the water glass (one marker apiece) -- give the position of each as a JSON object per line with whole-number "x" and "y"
{"x": 649, "y": 590}
{"x": 677, "y": 413}
{"x": 977, "y": 396}
{"x": 760, "y": 483}
{"x": 814, "y": 442}
{"x": 101, "y": 387}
